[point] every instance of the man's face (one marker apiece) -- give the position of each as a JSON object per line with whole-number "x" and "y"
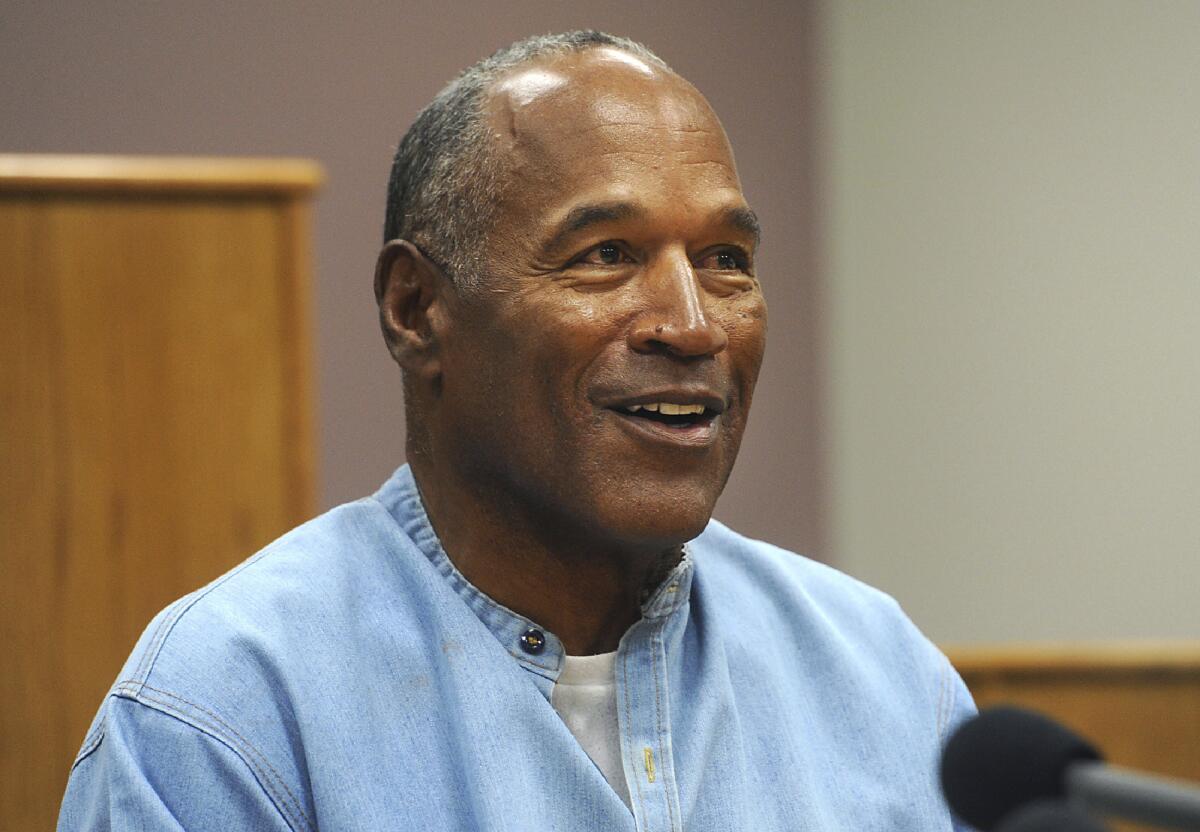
{"x": 601, "y": 376}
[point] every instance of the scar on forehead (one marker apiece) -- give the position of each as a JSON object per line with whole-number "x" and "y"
{"x": 526, "y": 86}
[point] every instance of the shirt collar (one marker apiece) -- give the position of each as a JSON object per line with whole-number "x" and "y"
{"x": 403, "y": 501}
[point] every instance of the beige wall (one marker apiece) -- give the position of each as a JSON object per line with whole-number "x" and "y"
{"x": 1013, "y": 247}
{"x": 340, "y": 81}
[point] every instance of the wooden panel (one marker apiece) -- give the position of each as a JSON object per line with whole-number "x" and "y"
{"x": 155, "y": 430}
{"x": 1139, "y": 703}
{"x": 169, "y": 175}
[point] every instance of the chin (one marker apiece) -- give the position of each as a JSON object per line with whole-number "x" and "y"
{"x": 660, "y": 521}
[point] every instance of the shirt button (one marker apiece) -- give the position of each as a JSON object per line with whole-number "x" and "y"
{"x": 533, "y": 641}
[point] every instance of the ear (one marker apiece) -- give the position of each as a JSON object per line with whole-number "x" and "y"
{"x": 410, "y": 290}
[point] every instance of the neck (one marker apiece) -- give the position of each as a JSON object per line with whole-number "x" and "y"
{"x": 585, "y": 589}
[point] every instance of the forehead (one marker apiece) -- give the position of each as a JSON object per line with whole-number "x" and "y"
{"x": 605, "y": 119}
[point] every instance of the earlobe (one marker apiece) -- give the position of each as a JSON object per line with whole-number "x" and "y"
{"x": 407, "y": 288}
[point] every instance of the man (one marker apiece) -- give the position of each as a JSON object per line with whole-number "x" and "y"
{"x": 534, "y": 625}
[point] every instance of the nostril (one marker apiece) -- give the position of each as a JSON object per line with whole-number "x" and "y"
{"x": 691, "y": 339}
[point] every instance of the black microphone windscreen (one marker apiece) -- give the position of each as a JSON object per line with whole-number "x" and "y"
{"x": 1050, "y": 816}
{"x": 1004, "y": 758}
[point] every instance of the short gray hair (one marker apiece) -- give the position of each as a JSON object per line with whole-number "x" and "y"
{"x": 445, "y": 177}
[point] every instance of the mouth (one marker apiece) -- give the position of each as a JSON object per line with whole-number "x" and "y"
{"x": 672, "y": 415}
{"x": 692, "y": 423}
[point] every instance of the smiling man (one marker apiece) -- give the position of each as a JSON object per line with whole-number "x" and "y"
{"x": 535, "y": 624}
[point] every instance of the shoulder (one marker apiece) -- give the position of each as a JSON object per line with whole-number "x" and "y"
{"x": 301, "y": 599}
{"x": 242, "y": 665}
{"x": 774, "y": 579}
{"x": 149, "y": 768}
{"x": 823, "y": 625}
{"x": 278, "y": 594}
{"x": 232, "y": 653}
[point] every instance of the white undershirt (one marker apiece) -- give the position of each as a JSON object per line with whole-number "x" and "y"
{"x": 585, "y": 696}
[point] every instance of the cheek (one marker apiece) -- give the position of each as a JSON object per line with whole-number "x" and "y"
{"x": 746, "y": 327}
{"x": 570, "y": 329}
{"x": 542, "y": 369}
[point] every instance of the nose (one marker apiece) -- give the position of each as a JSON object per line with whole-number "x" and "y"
{"x": 676, "y": 319}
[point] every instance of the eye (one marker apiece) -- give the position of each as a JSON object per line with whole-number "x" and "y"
{"x": 605, "y": 254}
{"x": 726, "y": 260}
{"x": 603, "y": 266}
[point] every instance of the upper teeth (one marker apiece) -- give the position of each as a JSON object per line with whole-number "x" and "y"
{"x": 667, "y": 408}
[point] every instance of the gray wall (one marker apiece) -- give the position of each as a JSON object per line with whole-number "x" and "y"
{"x": 340, "y": 81}
{"x": 1013, "y": 226}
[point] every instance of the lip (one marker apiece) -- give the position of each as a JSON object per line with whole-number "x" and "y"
{"x": 698, "y": 436}
{"x": 691, "y": 436}
{"x": 675, "y": 395}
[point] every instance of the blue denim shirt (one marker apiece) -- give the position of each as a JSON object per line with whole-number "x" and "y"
{"x": 349, "y": 677}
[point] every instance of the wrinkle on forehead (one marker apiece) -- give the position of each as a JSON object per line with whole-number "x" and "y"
{"x": 666, "y": 110}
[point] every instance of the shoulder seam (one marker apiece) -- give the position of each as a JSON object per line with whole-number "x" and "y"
{"x": 210, "y": 724}
{"x": 946, "y": 699}
{"x": 176, "y": 612}
{"x": 181, "y": 607}
{"x": 89, "y": 745}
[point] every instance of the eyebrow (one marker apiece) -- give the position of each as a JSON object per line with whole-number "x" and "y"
{"x": 582, "y": 217}
{"x": 744, "y": 219}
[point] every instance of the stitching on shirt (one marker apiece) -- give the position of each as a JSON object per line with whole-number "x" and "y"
{"x": 542, "y": 669}
{"x": 949, "y": 674}
{"x": 482, "y": 606}
{"x": 293, "y": 804}
{"x": 152, "y": 647}
{"x": 656, "y": 643}
{"x": 943, "y": 679}
{"x": 666, "y": 600}
{"x": 89, "y": 746}
{"x": 214, "y": 726}
{"x": 91, "y": 735}
{"x": 146, "y": 664}
{"x": 637, "y": 781}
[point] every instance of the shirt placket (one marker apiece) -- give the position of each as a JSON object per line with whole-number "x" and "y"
{"x": 643, "y": 713}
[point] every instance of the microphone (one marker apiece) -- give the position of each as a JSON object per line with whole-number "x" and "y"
{"x": 1008, "y": 757}
{"x": 1050, "y": 816}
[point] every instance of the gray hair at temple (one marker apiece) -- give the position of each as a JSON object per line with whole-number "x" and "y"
{"x": 445, "y": 180}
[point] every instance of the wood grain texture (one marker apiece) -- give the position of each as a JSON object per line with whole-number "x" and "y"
{"x": 1138, "y": 702}
{"x": 157, "y": 174}
{"x": 155, "y": 429}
